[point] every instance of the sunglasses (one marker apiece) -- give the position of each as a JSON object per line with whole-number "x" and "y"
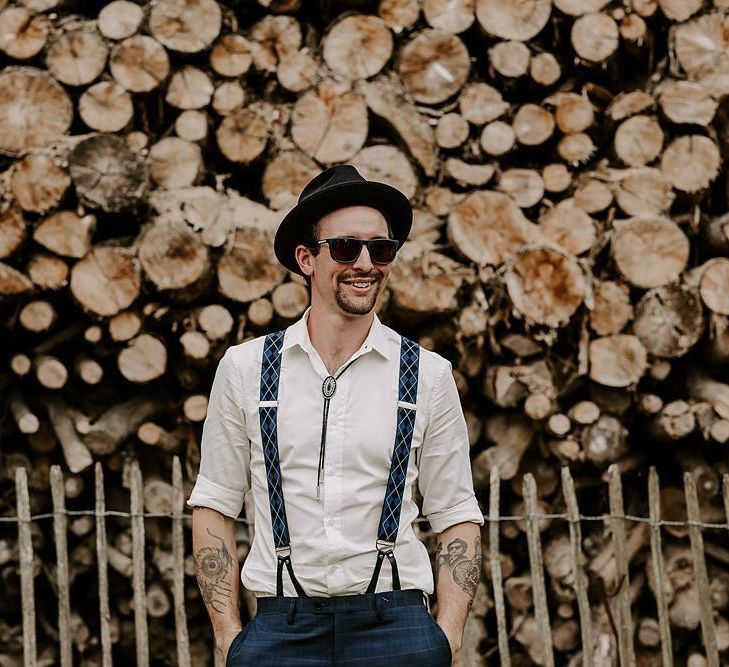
{"x": 346, "y": 249}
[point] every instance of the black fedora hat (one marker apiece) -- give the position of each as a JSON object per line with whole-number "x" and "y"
{"x": 335, "y": 188}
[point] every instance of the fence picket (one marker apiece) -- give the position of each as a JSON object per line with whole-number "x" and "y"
{"x": 654, "y": 508}
{"x": 536, "y": 564}
{"x": 495, "y": 561}
{"x": 624, "y": 618}
{"x": 701, "y": 577}
{"x": 102, "y": 561}
{"x": 578, "y": 564}
{"x": 25, "y": 547}
{"x": 60, "y": 527}
{"x": 178, "y": 552}
{"x": 141, "y": 631}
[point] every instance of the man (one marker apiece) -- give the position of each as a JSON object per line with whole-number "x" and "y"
{"x": 329, "y": 425}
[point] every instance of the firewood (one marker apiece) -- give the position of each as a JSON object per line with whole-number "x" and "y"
{"x": 105, "y": 266}
{"x": 638, "y": 140}
{"x": 643, "y": 191}
{"x": 143, "y": 360}
{"x": 579, "y": 7}
{"x": 511, "y": 19}
{"x": 260, "y": 313}
{"x": 595, "y": 37}
{"x": 89, "y": 370}
{"x": 38, "y": 183}
{"x": 216, "y": 321}
{"x": 24, "y": 417}
{"x": 533, "y": 125}
{"x": 289, "y": 301}
{"x": 285, "y": 176}
{"x": 686, "y": 102}
{"x": 139, "y": 63}
{"x": 619, "y": 360}
{"x": 469, "y": 174}
{"x": 75, "y": 452}
{"x": 399, "y": 15}
{"x": 66, "y": 233}
{"x": 195, "y": 408}
{"x": 298, "y": 71}
{"x": 592, "y": 195}
{"x": 479, "y": 103}
{"x": 12, "y": 231}
{"x": 576, "y": 148}
{"x": 451, "y": 131}
{"x": 77, "y": 57}
{"x": 545, "y": 69}
{"x": 569, "y": 226}
{"x": 679, "y": 306}
{"x": 47, "y": 271}
{"x": 41, "y": 97}
{"x": 124, "y": 326}
{"x": 358, "y": 46}
{"x": 37, "y": 316}
{"x": 231, "y": 55}
{"x": 227, "y": 98}
{"x": 433, "y": 66}
{"x": 509, "y": 59}
{"x": 120, "y": 421}
{"x": 387, "y": 164}
{"x": 556, "y": 177}
{"x": 50, "y": 372}
{"x": 189, "y": 88}
{"x": 120, "y": 19}
{"x": 192, "y": 125}
{"x": 106, "y": 174}
{"x": 524, "y": 186}
{"x": 274, "y": 37}
{"x": 679, "y": 11}
{"x": 195, "y": 345}
{"x": 691, "y": 162}
{"x": 188, "y": 26}
{"x": 22, "y": 34}
{"x": 562, "y": 286}
{"x": 662, "y": 255}
{"x": 497, "y": 138}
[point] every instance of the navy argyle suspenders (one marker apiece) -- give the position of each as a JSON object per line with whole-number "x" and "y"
{"x": 390, "y": 517}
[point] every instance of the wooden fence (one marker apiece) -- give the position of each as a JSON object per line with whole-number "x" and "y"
{"x": 617, "y": 519}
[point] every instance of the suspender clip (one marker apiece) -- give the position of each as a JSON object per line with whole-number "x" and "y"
{"x": 385, "y": 547}
{"x": 283, "y": 552}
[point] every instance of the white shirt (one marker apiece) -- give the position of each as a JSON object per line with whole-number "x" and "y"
{"x": 333, "y": 539}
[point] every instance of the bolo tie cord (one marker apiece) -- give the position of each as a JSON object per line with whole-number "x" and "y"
{"x": 328, "y": 389}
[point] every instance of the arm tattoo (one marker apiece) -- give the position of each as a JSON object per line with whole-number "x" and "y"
{"x": 212, "y": 568}
{"x": 465, "y": 571}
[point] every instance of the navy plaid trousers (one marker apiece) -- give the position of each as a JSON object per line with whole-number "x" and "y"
{"x": 387, "y": 628}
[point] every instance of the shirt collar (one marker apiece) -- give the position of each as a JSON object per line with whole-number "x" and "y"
{"x": 298, "y": 334}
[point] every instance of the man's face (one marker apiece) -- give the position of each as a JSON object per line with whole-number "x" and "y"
{"x": 334, "y": 283}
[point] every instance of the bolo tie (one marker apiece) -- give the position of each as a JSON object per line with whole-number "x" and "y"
{"x": 328, "y": 389}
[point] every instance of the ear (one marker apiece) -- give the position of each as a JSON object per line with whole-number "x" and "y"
{"x": 305, "y": 259}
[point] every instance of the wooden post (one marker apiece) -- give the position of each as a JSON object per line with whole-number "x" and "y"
{"x": 580, "y": 583}
{"x": 178, "y": 548}
{"x": 654, "y": 502}
{"x": 101, "y": 560}
{"x": 60, "y": 527}
{"x": 624, "y": 620}
{"x": 496, "y": 567}
{"x": 541, "y": 612}
{"x": 25, "y": 546}
{"x": 702, "y": 579}
{"x": 138, "y": 580}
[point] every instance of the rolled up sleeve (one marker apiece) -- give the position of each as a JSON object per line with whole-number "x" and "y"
{"x": 444, "y": 479}
{"x": 224, "y": 474}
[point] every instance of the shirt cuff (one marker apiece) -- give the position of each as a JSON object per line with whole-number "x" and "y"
{"x": 467, "y": 510}
{"x": 216, "y": 497}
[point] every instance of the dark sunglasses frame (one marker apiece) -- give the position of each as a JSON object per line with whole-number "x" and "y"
{"x": 372, "y": 245}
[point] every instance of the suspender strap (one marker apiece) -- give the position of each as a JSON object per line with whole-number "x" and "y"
{"x": 267, "y": 413}
{"x": 392, "y": 506}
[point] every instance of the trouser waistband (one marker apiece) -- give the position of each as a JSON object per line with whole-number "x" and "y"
{"x": 343, "y": 603}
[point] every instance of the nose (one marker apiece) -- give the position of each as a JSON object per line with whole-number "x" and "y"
{"x": 364, "y": 261}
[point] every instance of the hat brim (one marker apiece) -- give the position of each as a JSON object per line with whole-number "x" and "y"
{"x": 392, "y": 203}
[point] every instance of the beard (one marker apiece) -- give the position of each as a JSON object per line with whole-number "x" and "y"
{"x": 353, "y": 304}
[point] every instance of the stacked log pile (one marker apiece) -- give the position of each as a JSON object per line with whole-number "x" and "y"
{"x": 570, "y": 255}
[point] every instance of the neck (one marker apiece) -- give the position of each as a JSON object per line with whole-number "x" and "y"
{"x": 336, "y": 336}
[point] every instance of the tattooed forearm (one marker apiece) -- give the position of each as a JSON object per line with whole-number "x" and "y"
{"x": 213, "y": 566}
{"x": 464, "y": 570}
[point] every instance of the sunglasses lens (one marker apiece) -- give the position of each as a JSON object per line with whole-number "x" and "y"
{"x": 382, "y": 251}
{"x": 344, "y": 249}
